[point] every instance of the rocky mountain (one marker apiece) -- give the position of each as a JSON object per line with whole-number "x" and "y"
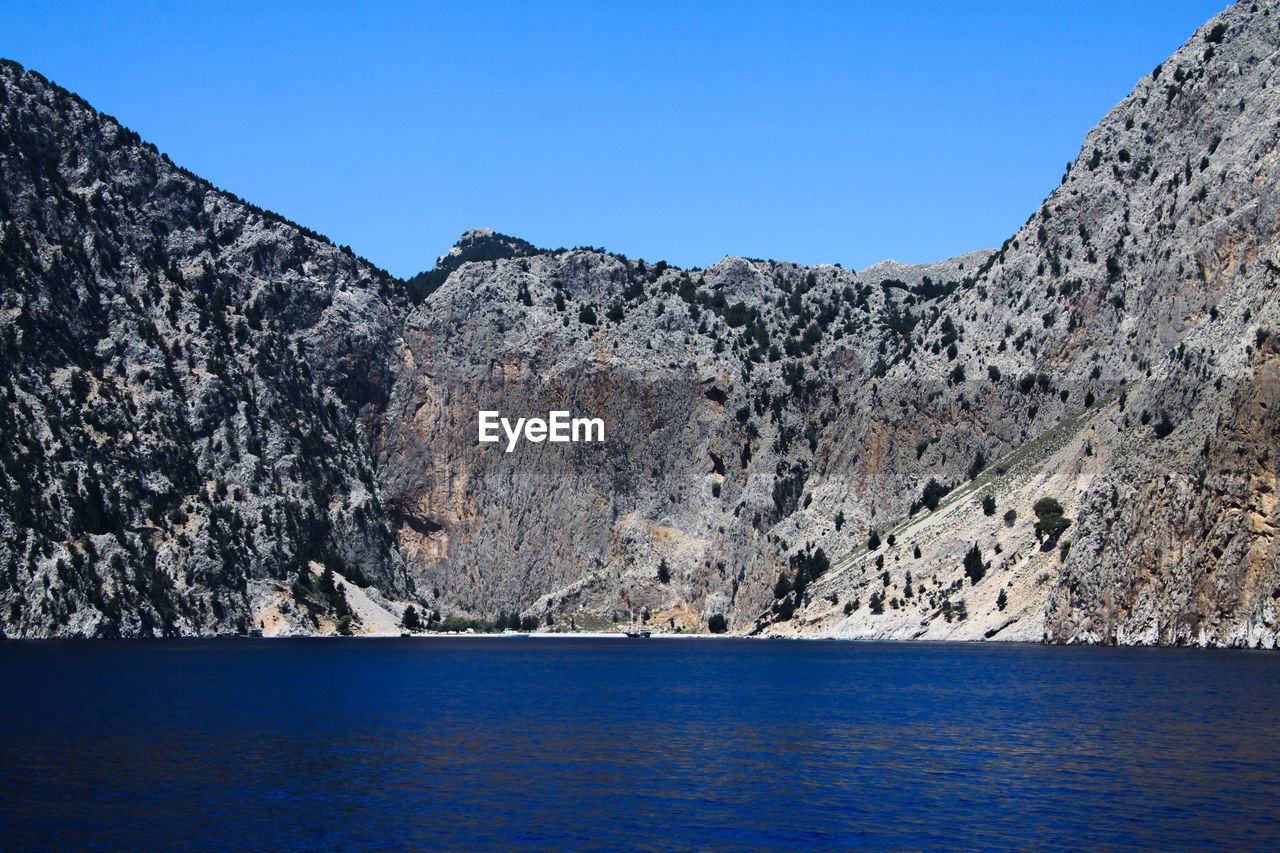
{"x": 211, "y": 413}
{"x": 189, "y": 387}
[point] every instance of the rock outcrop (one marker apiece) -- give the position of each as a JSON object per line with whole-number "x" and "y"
{"x": 205, "y": 405}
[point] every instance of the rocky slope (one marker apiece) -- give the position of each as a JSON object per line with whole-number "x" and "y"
{"x": 188, "y": 387}
{"x": 206, "y": 405}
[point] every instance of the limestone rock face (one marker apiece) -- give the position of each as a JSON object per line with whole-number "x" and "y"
{"x": 188, "y": 387}
{"x": 203, "y": 405}
{"x": 1133, "y": 298}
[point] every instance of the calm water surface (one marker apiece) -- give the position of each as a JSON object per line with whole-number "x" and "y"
{"x": 569, "y": 744}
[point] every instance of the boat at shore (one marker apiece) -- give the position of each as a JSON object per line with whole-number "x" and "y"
{"x": 636, "y": 630}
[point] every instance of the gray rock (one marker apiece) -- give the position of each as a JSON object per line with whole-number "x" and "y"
{"x": 199, "y": 398}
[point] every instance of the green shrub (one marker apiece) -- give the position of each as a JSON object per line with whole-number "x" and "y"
{"x": 1047, "y": 506}
{"x": 1051, "y": 525}
{"x": 717, "y": 624}
{"x": 1113, "y": 269}
{"x": 974, "y": 568}
{"x": 979, "y": 462}
{"x": 737, "y": 315}
{"x": 933, "y": 493}
{"x": 1050, "y": 522}
{"x": 461, "y": 624}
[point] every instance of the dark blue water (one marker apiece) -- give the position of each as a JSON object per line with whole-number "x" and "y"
{"x": 551, "y": 744}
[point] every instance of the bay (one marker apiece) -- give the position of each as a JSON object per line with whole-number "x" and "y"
{"x": 485, "y": 743}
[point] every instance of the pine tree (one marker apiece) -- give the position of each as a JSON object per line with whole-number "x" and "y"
{"x": 974, "y": 568}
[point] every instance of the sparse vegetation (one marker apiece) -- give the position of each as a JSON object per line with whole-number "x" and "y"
{"x": 177, "y": 430}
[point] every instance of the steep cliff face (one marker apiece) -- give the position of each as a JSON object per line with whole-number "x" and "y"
{"x": 1146, "y": 282}
{"x": 187, "y": 385}
{"x": 1134, "y": 299}
{"x": 204, "y": 404}
{"x": 734, "y": 419}
{"x": 1177, "y": 543}
{"x": 1178, "y": 193}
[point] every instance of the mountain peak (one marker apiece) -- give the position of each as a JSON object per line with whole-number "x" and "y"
{"x": 485, "y": 244}
{"x": 475, "y": 244}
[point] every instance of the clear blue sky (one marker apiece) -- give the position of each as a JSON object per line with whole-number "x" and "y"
{"x": 819, "y": 133}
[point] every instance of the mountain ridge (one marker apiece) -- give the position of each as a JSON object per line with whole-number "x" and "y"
{"x": 207, "y": 407}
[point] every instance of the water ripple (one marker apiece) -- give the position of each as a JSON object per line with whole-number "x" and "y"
{"x": 483, "y": 744}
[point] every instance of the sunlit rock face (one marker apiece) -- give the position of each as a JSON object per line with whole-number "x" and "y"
{"x": 201, "y": 401}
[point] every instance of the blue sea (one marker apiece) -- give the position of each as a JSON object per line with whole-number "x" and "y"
{"x": 598, "y": 744}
